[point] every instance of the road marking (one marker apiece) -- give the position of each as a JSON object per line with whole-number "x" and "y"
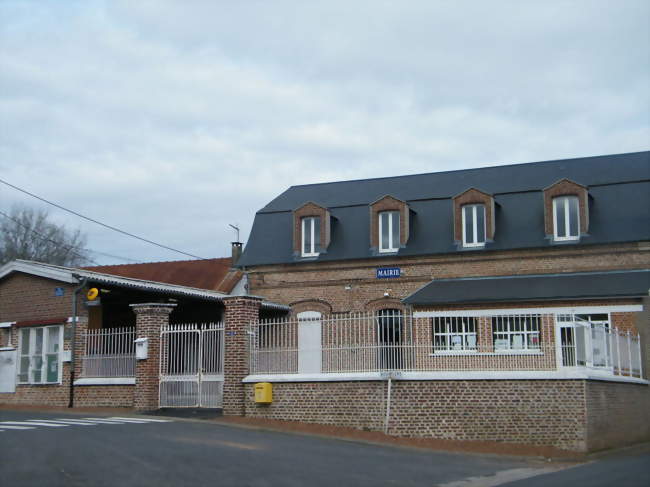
{"x": 505, "y": 476}
{"x": 99, "y": 421}
{"x": 65, "y": 421}
{"x": 145, "y": 419}
{"x": 9, "y": 427}
{"x": 33, "y": 422}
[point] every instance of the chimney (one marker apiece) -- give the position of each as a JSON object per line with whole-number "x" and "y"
{"x": 236, "y": 252}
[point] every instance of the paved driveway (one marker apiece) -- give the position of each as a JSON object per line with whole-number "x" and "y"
{"x": 57, "y": 449}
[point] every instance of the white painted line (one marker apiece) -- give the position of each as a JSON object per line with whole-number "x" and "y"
{"x": 99, "y": 421}
{"x": 9, "y": 427}
{"x": 34, "y": 422}
{"x": 144, "y": 420}
{"x": 65, "y": 421}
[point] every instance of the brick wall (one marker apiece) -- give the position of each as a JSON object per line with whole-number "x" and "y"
{"x": 104, "y": 396}
{"x": 27, "y": 298}
{"x": 326, "y": 282}
{"x": 617, "y": 414}
{"x": 538, "y": 412}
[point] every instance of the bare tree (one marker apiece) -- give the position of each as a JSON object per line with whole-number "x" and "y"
{"x": 26, "y": 233}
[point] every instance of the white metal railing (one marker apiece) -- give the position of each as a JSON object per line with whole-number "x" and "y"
{"x": 602, "y": 348}
{"x": 108, "y": 352}
{"x": 366, "y": 342}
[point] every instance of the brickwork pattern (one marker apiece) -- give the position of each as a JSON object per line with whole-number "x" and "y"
{"x": 27, "y": 298}
{"x": 240, "y": 311}
{"x": 327, "y": 281}
{"x": 550, "y": 413}
{"x": 617, "y": 414}
{"x": 149, "y": 320}
{"x": 104, "y": 396}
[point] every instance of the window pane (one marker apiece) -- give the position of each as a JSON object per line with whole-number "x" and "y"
{"x": 306, "y": 235}
{"x": 395, "y": 240}
{"x": 52, "y": 373}
{"x": 38, "y": 342}
{"x": 37, "y": 365}
{"x": 53, "y": 340}
{"x": 573, "y": 217}
{"x": 316, "y": 223}
{"x": 559, "y": 217}
{"x": 480, "y": 224}
{"x": 469, "y": 224}
{"x": 384, "y": 244}
{"x": 24, "y": 341}
{"x": 23, "y": 375}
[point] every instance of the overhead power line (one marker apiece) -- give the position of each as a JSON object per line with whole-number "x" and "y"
{"x": 69, "y": 248}
{"x": 99, "y": 223}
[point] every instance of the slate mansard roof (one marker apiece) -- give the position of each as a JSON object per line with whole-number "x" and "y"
{"x": 619, "y": 194}
{"x": 544, "y": 287}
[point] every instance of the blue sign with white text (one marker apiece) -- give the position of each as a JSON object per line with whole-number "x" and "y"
{"x": 59, "y": 291}
{"x": 388, "y": 272}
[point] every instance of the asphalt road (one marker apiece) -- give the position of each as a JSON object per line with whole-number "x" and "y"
{"x": 53, "y": 451}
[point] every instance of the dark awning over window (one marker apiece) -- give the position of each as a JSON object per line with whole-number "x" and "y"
{"x": 539, "y": 287}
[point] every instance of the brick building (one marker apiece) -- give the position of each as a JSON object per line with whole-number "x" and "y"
{"x": 47, "y": 312}
{"x": 504, "y": 303}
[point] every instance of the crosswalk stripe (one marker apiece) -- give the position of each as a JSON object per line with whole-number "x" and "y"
{"x": 33, "y": 422}
{"x": 129, "y": 420}
{"x": 65, "y": 421}
{"x": 9, "y": 427}
{"x": 100, "y": 421}
{"x": 144, "y": 420}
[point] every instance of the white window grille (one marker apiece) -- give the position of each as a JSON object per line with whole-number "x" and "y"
{"x": 454, "y": 333}
{"x": 389, "y": 231}
{"x": 310, "y": 235}
{"x": 516, "y": 332}
{"x": 40, "y": 355}
{"x": 566, "y": 218}
{"x": 474, "y": 225}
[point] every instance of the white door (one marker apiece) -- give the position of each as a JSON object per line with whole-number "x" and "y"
{"x": 8, "y": 370}
{"x": 309, "y": 342}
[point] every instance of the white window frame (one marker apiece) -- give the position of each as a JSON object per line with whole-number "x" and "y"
{"x": 44, "y": 353}
{"x": 474, "y": 208}
{"x": 392, "y": 246}
{"x": 463, "y": 334}
{"x": 312, "y": 231}
{"x": 525, "y": 332}
{"x": 567, "y": 216}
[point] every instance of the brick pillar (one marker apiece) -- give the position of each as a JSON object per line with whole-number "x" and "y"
{"x": 150, "y": 317}
{"x": 240, "y": 311}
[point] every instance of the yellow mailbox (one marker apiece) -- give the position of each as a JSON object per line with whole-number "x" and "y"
{"x": 263, "y": 393}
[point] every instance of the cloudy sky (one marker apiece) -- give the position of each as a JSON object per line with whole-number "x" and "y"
{"x": 172, "y": 119}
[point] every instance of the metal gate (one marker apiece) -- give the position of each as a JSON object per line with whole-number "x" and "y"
{"x": 191, "y": 365}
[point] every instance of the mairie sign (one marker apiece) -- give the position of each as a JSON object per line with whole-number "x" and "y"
{"x": 388, "y": 272}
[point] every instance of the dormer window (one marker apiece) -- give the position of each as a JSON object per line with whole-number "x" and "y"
{"x": 566, "y": 211}
{"x": 566, "y": 218}
{"x": 474, "y": 225}
{"x": 389, "y": 238}
{"x": 310, "y": 236}
{"x": 311, "y": 230}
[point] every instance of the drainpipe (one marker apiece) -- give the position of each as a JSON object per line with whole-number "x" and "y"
{"x": 73, "y": 342}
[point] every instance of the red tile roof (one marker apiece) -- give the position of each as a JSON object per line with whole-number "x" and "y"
{"x": 213, "y": 274}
